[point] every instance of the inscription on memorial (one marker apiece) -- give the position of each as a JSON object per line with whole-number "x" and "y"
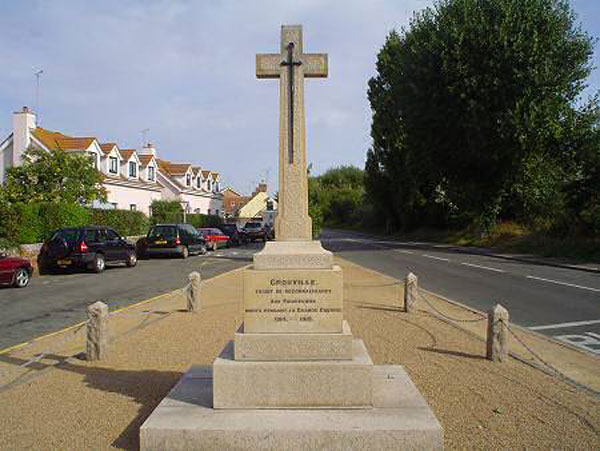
{"x": 300, "y": 301}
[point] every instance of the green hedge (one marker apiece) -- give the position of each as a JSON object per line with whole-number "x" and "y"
{"x": 199, "y": 220}
{"x": 34, "y": 222}
{"x": 125, "y": 222}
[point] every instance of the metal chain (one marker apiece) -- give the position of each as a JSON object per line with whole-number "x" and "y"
{"x": 47, "y": 351}
{"x": 459, "y": 320}
{"x": 516, "y": 337}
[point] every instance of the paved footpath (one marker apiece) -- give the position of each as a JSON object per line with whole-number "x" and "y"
{"x": 563, "y": 303}
{"x": 63, "y": 402}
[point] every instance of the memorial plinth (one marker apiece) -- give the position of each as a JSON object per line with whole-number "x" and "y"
{"x": 294, "y": 377}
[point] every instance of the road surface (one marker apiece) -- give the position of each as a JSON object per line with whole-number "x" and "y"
{"x": 558, "y": 302}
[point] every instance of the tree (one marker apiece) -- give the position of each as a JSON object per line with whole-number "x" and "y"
{"x": 54, "y": 176}
{"x": 473, "y": 112}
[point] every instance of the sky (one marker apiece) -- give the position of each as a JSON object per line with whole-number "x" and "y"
{"x": 185, "y": 70}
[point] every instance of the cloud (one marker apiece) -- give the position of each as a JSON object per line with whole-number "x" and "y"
{"x": 186, "y": 70}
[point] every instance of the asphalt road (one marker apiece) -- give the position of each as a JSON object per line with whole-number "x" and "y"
{"x": 558, "y": 302}
{"x": 52, "y": 302}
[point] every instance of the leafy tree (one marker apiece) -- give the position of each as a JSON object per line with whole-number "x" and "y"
{"x": 474, "y": 109}
{"x": 54, "y": 176}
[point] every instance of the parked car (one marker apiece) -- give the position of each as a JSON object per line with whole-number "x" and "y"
{"x": 15, "y": 271}
{"x": 255, "y": 231}
{"x": 231, "y": 230}
{"x": 172, "y": 239}
{"x": 215, "y": 238}
{"x": 91, "y": 247}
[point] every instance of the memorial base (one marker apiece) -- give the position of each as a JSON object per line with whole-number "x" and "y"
{"x": 399, "y": 419}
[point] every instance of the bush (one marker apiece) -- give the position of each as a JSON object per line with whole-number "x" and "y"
{"x": 34, "y": 222}
{"x": 166, "y": 211}
{"x": 125, "y": 222}
{"x": 199, "y": 220}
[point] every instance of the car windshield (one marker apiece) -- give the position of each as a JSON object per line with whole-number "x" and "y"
{"x": 162, "y": 232}
{"x": 253, "y": 225}
{"x": 69, "y": 235}
{"x": 216, "y": 232}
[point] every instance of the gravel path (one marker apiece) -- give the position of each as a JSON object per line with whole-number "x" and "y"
{"x": 63, "y": 402}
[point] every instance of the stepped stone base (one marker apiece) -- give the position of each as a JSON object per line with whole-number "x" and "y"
{"x": 293, "y": 255}
{"x": 279, "y": 346}
{"x": 400, "y": 419}
{"x": 293, "y": 384}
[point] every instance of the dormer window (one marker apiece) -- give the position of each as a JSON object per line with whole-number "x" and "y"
{"x": 151, "y": 173}
{"x": 209, "y": 183}
{"x": 199, "y": 182}
{"x": 132, "y": 169}
{"x": 113, "y": 165}
{"x": 188, "y": 179}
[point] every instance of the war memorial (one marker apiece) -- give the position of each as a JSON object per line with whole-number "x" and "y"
{"x": 294, "y": 376}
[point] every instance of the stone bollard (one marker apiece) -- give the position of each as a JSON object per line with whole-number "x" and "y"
{"x": 497, "y": 334}
{"x": 193, "y": 293}
{"x": 410, "y": 292}
{"x": 97, "y": 331}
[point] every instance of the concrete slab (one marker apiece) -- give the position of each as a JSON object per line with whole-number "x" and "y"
{"x": 304, "y": 254}
{"x": 399, "y": 419}
{"x": 292, "y": 384}
{"x": 282, "y": 346}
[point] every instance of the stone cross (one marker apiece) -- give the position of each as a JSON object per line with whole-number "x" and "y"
{"x": 291, "y": 65}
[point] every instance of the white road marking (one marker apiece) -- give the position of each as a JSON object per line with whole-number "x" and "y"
{"x": 564, "y": 283}
{"x": 590, "y": 342}
{"x": 482, "y": 267}
{"x": 407, "y": 252}
{"x": 436, "y": 258}
{"x": 561, "y": 325}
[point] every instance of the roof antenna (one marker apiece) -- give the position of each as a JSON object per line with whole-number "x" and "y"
{"x": 144, "y": 133}
{"x": 37, "y": 92}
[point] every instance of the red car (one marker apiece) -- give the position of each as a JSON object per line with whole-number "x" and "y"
{"x": 214, "y": 238}
{"x": 15, "y": 271}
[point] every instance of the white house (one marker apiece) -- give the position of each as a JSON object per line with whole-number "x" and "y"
{"x": 132, "y": 179}
{"x": 197, "y": 190}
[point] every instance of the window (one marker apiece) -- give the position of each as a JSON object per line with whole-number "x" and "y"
{"x": 111, "y": 235}
{"x": 188, "y": 180}
{"x": 151, "y": 173}
{"x": 208, "y": 211}
{"x": 217, "y": 212}
{"x": 209, "y": 184}
{"x": 133, "y": 207}
{"x": 132, "y": 169}
{"x": 113, "y": 165}
{"x": 198, "y": 182}
{"x": 196, "y": 210}
{"x": 114, "y": 205}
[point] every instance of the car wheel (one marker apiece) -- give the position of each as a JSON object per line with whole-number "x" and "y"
{"x": 185, "y": 253}
{"x": 98, "y": 265}
{"x": 131, "y": 260}
{"x": 21, "y": 278}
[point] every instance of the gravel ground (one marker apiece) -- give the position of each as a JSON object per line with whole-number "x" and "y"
{"x": 63, "y": 402}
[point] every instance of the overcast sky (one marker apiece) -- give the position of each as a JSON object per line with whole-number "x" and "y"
{"x": 186, "y": 71}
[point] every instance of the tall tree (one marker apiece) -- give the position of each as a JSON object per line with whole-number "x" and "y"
{"x": 472, "y": 110}
{"x": 54, "y": 176}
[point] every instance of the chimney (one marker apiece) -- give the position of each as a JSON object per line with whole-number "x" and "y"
{"x": 23, "y": 122}
{"x": 148, "y": 149}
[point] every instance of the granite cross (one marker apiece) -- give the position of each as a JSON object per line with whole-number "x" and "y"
{"x": 291, "y": 65}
